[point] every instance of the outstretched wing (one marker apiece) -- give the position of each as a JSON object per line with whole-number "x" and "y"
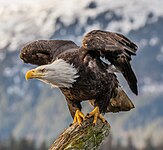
{"x": 117, "y": 49}
{"x": 43, "y": 52}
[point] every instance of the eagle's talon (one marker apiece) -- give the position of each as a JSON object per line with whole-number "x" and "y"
{"x": 70, "y": 124}
{"x": 102, "y": 118}
{"x": 96, "y": 114}
{"x": 88, "y": 116}
{"x": 93, "y": 124}
{"x": 79, "y": 117}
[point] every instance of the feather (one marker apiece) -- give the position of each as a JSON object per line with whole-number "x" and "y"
{"x": 117, "y": 49}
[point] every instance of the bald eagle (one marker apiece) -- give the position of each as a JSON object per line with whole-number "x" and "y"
{"x": 82, "y": 74}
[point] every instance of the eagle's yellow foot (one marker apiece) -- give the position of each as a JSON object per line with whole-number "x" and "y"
{"x": 96, "y": 114}
{"x": 79, "y": 117}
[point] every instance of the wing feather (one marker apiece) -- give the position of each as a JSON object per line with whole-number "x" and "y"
{"x": 117, "y": 49}
{"x": 42, "y": 52}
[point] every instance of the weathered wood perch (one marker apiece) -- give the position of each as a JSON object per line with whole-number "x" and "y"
{"x": 85, "y": 137}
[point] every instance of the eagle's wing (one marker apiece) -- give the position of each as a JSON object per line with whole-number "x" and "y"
{"x": 117, "y": 49}
{"x": 43, "y": 52}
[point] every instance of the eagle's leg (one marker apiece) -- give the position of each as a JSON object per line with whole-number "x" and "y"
{"x": 75, "y": 110}
{"x": 79, "y": 117}
{"x": 96, "y": 114}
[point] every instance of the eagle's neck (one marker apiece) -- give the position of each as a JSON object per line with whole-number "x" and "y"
{"x": 62, "y": 74}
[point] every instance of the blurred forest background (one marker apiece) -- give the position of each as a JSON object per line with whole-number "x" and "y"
{"x": 25, "y": 144}
{"x": 32, "y": 114}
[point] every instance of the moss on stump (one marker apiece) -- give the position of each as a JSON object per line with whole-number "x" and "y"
{"x": 85, "y": 137}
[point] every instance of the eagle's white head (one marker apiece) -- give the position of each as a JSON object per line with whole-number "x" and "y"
{"x": 58, "y": 74}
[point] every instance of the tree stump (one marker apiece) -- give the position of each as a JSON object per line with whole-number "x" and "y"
{"x": 85, "y": 137}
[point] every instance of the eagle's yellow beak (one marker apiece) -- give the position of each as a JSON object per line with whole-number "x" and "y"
{"x": 33, "y": 74}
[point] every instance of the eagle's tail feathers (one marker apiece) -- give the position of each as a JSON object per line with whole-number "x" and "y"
{"x": 120, "y": 103}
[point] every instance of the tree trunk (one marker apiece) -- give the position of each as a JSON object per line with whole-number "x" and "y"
{"x": 85, "y": 137}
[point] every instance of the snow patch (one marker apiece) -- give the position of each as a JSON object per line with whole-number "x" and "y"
{"x": 23, "y": 23}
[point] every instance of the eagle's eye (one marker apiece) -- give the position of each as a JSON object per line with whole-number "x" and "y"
{"x": 43, "y": 70}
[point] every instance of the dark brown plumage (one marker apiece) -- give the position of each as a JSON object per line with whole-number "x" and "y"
{"x": 96, "y": 82}
{"x": 117, "y": 49}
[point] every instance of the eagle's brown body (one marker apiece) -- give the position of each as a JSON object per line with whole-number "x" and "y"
{"x": 93, "y": 83}
{"x": 96, "y": 81}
